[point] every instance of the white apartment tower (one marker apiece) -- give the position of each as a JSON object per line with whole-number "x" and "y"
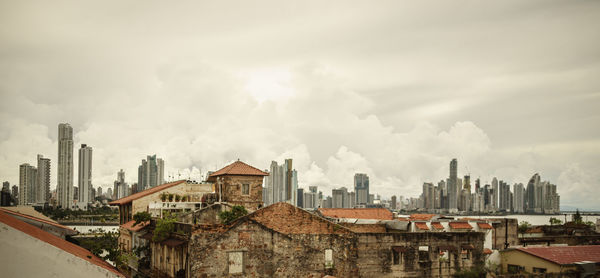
{"x": 85, "y": 176}
{"x": 27, "y": 184}
{"x": 65, "y": 166}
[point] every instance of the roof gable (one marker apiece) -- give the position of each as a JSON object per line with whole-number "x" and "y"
{"x": 288, "y": 219}
{"x": 237, "y": 168}
{"x": 146, "y": 192}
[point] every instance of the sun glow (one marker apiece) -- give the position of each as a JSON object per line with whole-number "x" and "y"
{"x": 269, "y": 85}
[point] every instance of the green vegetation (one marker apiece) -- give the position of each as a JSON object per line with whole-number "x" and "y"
{"x": 101, "y": 214}
{"x": 523, "y": 227}
{"x": 164, "y": 227}
{"x": 141, "y": 217}
{"x": 104, "y": 241}
{"x": 555, "y": 221}
{"x": 577, "y": 217}
{"x": 229, "y": 216}
{"x": 474, "y": 272}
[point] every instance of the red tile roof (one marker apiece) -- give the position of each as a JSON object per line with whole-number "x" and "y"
{"x": 42, "y": 221}
{"x": 421, "y": 226}
{"x": 437, "y": 225}
{"x": 426, "y": 217}
{"x": 146, "y": 192}
{"x": 484, "y": 225}
{"x": 487, "y": 251}
{"x": 237, "y": 168}
{"x": 57, "y": 242}
{"x": 460, "y": 225}
{"x": 358, "y": 213}
{"x": 139, "y": 226}
{"x": 565, "y": 254}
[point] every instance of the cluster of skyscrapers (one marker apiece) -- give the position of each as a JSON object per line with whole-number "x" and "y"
{"x": 456, "y": 195}
{"x": 281, "y": 185}
{"x": 34, "y": 181}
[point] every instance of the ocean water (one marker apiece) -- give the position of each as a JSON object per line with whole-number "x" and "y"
{"x": 87, "y": 229}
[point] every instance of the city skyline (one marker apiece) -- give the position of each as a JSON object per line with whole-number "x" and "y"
{"x": 394, "y": 91}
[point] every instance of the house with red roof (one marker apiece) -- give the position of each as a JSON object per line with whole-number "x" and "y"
{"x": 28, "y": 251}
{"x": 551, "y": 259}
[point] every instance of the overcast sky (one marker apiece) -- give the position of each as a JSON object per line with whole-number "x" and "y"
{"x": 393, "y": 89}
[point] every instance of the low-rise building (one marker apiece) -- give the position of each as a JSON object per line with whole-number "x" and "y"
{"x": 551, "y": 259}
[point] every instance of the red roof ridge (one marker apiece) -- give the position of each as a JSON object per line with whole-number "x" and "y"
{"x": 139, "y": 226}
{"x": 36, "y": 219}
{"x": 57, "y": 242}
{"x": 238, "y": 168}
{"x": 130, "y": 198}
{"x": 358, "y": 213}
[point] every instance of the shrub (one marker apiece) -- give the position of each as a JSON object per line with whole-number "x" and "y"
{"x": 229, "y": 216}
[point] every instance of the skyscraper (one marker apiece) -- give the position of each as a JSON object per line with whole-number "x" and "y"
{"x": 99, "y": 191}
{"x": 504, "y": 196}
{"x": 65, "y": 166}
{"x": 27, "y": 184}
{"x": 518, "y": 198}
{"x": 121, "y": 188}
{"x": 281, "y": 184}
{"x": 453, "y": 189}
{"x": 150, "y": 173}
{"x": 361, "y": 188}
{"x": 530, "y": 197}
{"x": 85, "y": 176}
{"x": 43, "y": 179}
{"x": 494, "y": 194}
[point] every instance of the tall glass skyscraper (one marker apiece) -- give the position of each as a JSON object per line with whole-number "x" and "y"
{"x": 65, "y": 166}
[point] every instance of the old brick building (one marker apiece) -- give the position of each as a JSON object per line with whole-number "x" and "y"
{"x": 239, "y": 184}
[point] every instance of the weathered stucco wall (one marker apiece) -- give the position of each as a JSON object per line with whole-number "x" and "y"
{"x": 26, "y": 256}
{"x": 232, "y": 191}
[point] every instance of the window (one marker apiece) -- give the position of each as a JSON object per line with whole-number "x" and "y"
{"x": 465, "y": 254}
{"x": 539, "y": 270}
{"x": 396, "y": 255}
{"x": 236, "y": 262}
{"x": 245, "y": 189}
{"x": 328, "y": 258}
{"x": 514, "y": 268}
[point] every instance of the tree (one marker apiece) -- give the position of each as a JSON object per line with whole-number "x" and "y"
{"x": 164, "y": 227}
{"x": 554, "y": 221}
{"x": 523, "y": 227}
{"x": 577, "y": 217}
{"x": 141, "y": 217}
{"x": 229, "y": 216}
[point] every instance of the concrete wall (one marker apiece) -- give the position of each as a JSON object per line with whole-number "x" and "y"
{"x": 26, "y": 256}
{"x": 499, "y": 233}
{"x": 267, "y": 253}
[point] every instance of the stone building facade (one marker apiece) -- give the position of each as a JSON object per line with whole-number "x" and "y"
{"x": 239, "y": 184}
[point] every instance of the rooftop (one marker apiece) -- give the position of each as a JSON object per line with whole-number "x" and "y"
{"x": 358, "y": 213}
{"x": 288, "y": 219}
{"x": 56, "y": 241}
{"x": 565, "y": 254}
{"x": 484, "y": 225}
{"x": 421, "y": 226}
{"x": 426, "y": 217}
{"x": 129, "y": 225}
{"x": 146, "y": 192}
{"x": 41, "y": 221}
{"x": 460, "y": 225}
{"x": 237, "y": 168}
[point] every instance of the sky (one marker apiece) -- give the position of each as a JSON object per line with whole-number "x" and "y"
{"x": 394, "y": 89}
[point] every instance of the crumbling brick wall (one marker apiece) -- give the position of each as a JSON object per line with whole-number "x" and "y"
{"x": 267, "y": 253}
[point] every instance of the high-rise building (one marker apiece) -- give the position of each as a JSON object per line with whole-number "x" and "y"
{"x": 340, "y": 198}
{"x": 65, "y": 166}
{"x": 15, "y": 194}
{"x": 150, "y": 173}
{"x": 532, "y": 185}
{"x": 518, "y": 198}
{"x": 361, "y": 188}
{"x": 27, "y": 184}
{"x": 453, "y": 188}
{"x": 300, "y": 202}
{"x": 6, "y": 186}
{"x": 281, "y": 184}
{"x": 428, "y": 196}
{"x": 121, "y": 188}
{"x": 109, "y": 193}
{"x": 84, "y": 177}
{"x": 99, "y": 191}
{"x": 311, "y": 198}
{"x": 504, "y": 196}
{"x": 43, "y": 179}
{"x": 494, "y": 194}
{"x": 393, "y": 202}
